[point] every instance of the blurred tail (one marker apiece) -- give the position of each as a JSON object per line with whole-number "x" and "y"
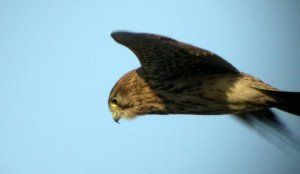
{"x": 286, "y": 101}
{"x": 267, "y": 124}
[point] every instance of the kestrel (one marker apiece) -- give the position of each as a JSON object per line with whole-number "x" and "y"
{"x": 178, "y": 78}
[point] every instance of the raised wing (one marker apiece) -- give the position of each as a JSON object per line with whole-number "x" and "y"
{"x": 163, "y": 58}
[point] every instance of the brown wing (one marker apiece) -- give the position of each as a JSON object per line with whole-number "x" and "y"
{"x": 163, "y": 58}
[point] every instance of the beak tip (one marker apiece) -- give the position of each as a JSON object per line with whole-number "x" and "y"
{"x": 117, "y": 120}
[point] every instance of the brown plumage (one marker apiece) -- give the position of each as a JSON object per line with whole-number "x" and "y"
{"x": 178, "y": 78}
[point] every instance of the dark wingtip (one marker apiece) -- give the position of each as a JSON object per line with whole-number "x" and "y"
{"x": 115, "y": 34}
{"x": 124, "y": 37}
{"x": 119, "y": 35}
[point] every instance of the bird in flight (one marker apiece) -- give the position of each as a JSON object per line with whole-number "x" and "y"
{"x": 178, "y": 78}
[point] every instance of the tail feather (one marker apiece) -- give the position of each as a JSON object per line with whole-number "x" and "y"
{"x": 267, "y": 124}
{"x": 286, "y": 101}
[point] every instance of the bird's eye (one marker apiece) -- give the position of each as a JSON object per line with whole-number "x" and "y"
{"x": 114, "y": 102}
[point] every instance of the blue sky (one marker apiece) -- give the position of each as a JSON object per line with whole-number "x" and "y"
{"x": 58, "y": 64}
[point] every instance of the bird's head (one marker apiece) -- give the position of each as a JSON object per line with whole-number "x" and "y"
{"x": 132, "y": 96}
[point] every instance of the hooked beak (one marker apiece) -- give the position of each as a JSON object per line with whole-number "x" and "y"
{"x": 116, "y": 118}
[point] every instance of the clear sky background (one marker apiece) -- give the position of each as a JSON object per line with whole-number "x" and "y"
{"x": 58, "y": 64}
